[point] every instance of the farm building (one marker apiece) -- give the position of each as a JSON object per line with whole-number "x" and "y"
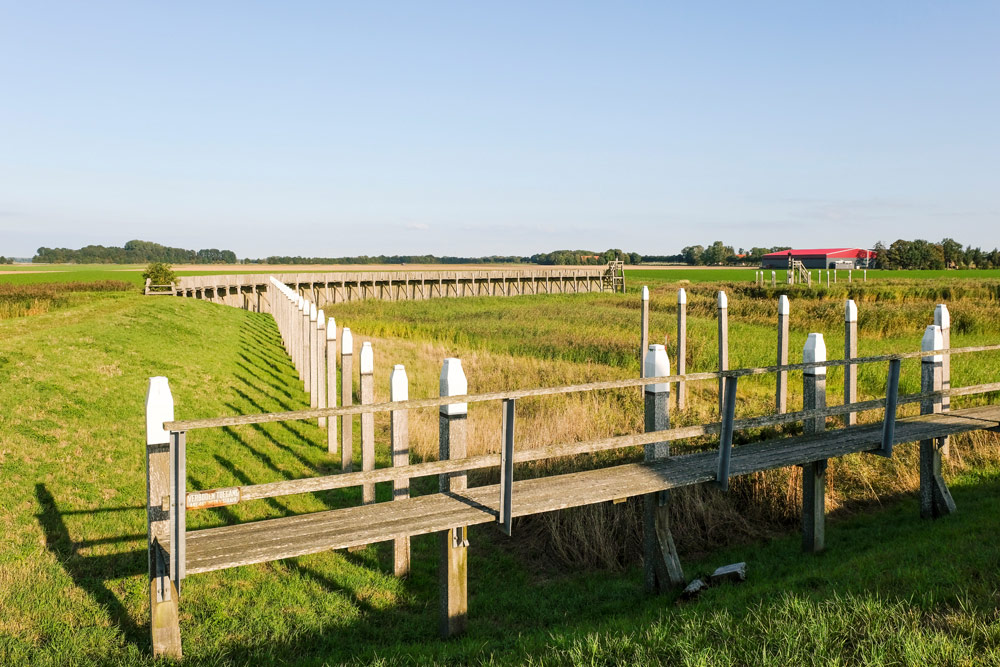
{"x": 820, "y": 258}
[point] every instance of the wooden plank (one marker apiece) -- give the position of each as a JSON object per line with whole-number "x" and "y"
{"x": 229, "y": 546}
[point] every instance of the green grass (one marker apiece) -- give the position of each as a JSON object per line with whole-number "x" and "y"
{"x": 890, "y": 589}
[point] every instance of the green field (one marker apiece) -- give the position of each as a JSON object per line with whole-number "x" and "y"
{"x": 890, "y": 589}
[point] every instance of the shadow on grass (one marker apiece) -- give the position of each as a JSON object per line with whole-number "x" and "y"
{"x": 891, "y": 554}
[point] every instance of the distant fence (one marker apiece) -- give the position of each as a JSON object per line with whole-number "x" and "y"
{"x": 251, "y": 291}
{"x": 311, "y": 343}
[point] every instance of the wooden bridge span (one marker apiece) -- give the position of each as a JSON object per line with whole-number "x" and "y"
{"x": 252, "y": 291}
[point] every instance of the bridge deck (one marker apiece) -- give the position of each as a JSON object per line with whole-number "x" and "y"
{"x": 273, "y": 539}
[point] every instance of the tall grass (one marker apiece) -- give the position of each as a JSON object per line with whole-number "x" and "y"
{"x": 20, "y": 299}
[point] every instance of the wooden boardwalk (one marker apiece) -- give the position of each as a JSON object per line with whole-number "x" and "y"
{"x": 251, "y": 291}
{"x": 272, "y": 539}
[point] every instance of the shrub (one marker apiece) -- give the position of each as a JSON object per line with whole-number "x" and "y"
{"x": 159, "y": 273}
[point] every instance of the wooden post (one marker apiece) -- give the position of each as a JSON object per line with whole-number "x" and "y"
{"x": 331, "y": 384}
{"x": 682, "y": 301}
{"x": 942, "y": 318}
{"x": 935, "y": 498}
{"x": 866, "y": 275}
{"x": 814, "y": 473}
{"x": 723, "y": 308}
{"x": 781, "y": 377}
{"x": 850, "y": 276}
{"x": 850, "y": 352}
{"x": 662, "y": 566}
{"x": 305, "y": 346}
{"x": 454, "y": 542}
{"x": 366, "y": 367}
{"x": 399, "y": 390}
{"x": 346, "y": 398}
{"x": 643, "y": 330}
{"x": 313, "y": 356}
{"x": 163, "y": 595}
{"x": 320, "y": 366}
{"x": 774, "y": 279}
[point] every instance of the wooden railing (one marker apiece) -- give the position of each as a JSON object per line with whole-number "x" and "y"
{"x": 451, "y": 511}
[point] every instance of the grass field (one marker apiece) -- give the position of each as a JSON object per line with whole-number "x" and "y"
{"x": 890, "y": 589}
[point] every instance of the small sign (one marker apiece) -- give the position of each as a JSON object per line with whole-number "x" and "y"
{"x": 197, "y": 500}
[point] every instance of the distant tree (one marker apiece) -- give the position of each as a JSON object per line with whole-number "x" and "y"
{"x": 693, "y": 254}
{"x": 159, "y": 273}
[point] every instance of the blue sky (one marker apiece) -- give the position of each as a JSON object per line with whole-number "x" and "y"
{"x": 322, "y": 128}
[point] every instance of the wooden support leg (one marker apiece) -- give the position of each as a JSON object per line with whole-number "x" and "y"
{"x": 454, "y": 542}
{"x": 813, "y": 506}
{"x": 935, "y": 498}
{"x": 163, "y": 606}
{"x": 662, "y": 566}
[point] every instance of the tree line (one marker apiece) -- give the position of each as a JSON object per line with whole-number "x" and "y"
{"x": 921, "y": 254}
{"x": 133, "y": 252}
{"x": 720, "y": 254}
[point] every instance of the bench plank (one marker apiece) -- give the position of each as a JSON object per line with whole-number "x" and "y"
{"x": 274, "y": 539}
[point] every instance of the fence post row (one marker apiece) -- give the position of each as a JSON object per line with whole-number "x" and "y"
{"x": 781, "y": 377}
{"x": 366, "y": 369}
{"x": 331, "y": 382}
{"x": 454, "y": 542}
{"x": 643, "y": 331}
{"x": 935, "y": 498}
{"x": 723, "y": 308}
{"x": 660, "y": 561}
{"x": 814, "y": 473}
{"x": 399, "y": 390}
{"x": 346, "y": 398}
{"x": 682, "y": 301}
{"x": 942, "y": 318}
{"x": 163, "y": 591}
{"x": 850, "y": 352}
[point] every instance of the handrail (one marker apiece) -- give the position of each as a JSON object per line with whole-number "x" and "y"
{"x": 215, "y": 422}
{"x": 409, "y": 471}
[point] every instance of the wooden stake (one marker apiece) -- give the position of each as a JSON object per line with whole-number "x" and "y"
{"x": 399, "y": 390}
{"x": 662, "y": 566}
{"x": 163, "y": 595}
{"x": 723, "y": 310}
{"x": 935, "y": 498}
{"x": 681, "y": 347}
{"x": 643, "y": 330}
{"x": 814, "y": 473}
{"x": 454, "y": 542}
{"x": 331, "y": 384}
{"x": 781, "y": 377}
{"x": 850, "y": 352}
{"x": 942, "y": 318}
{"x": 346, "y": 398}
{"x": 367, "y": 384}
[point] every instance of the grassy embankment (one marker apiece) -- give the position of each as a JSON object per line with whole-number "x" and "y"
{"x": 72, "y": 564}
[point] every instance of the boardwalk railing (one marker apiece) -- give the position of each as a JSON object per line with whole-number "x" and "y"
{"x": 251, "y": 291}
{"x": 176, "y": 553}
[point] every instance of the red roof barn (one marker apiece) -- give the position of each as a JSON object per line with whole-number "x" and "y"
{"x": 820, "y": 258}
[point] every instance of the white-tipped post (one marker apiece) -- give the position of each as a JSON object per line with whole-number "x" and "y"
{"x": 346, "y": 398}
{"x": 645, "y": 293}
{"x": 366, "y": 367}
{"x": 682, "y": 299}
{"x": 399, "y": 390}
{"x": 453, "y": 383}
{"x": 723, "y": 307}
{"x": 781, "y": 379}
{"x": 814, "y": 473}
{"x": 784, "y": 308}
{"x": 850, "y": 352}
{"x": 159, "y": 409}
{"x": 643, "y": 330}
{"x": 454, "y": 542}
{"x": 331, "y": 384}
{"x": 942, "y": 318}
{"x": 933, "y": 340}
{"x": 657, "y": 365}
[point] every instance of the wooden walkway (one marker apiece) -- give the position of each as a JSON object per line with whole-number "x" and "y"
{"x": 250, "y": 291}
{"x": 257, "y": 542}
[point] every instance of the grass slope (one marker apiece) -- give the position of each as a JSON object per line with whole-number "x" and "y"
{"x": 891, "y": 589}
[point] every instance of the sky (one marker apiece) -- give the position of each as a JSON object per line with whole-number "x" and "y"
{"x": 475, "y": 128}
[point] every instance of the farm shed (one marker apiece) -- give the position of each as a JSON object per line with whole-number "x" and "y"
{"x": 821, "y": 258}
